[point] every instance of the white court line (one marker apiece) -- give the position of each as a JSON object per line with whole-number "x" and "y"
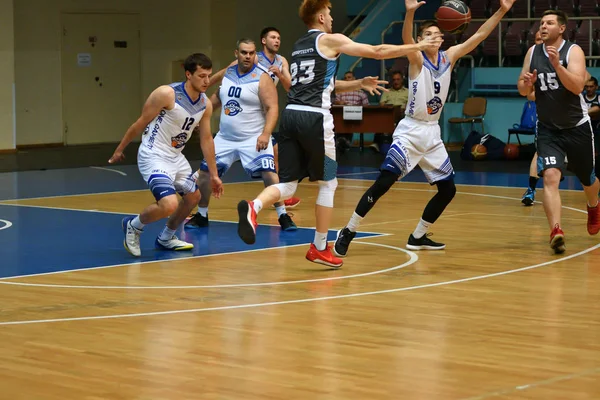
{"x": 111, "y": 170}
{"x": 139, "y": 263}
{"x": 275, "y": 303}
{"x": 6, "y": 224}
{"x": 412, "y": 260}
{"x": 536, "y": 384}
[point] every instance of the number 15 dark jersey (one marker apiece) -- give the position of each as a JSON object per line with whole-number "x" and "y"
{"x": 557, "y": 107}
{"x": 313, "y": 74}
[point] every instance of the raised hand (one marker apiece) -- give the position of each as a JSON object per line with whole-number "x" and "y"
{"x": 505, "y": 5}
{"x": 412, "y": 5}
{"x": 553, "y": 56}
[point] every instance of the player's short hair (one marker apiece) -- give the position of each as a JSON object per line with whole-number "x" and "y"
{"x": 593, "y": 79}
{"x": 427, "y": 24}
{"x": 244, "y": 41}
{"x": 265, "y": 31}
{"x": 193, "y": 61}
{"x": 561, "y": 17}
{"x": 310, "y": 8}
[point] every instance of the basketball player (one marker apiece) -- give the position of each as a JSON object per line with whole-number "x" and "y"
{"x": 306, "y": 137}
{"x": 278, "y": 68}
{"x": 248, "y": 116}
{"x": 529, "y": 195}
{"x": 556, "y": 71}
{"x": 170, "y": 115}
{"x": 417, "y": 139}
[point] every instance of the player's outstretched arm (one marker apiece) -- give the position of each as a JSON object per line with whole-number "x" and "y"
{"x": 527, "y": 79}
{"x": 407, "y": 29}
{"x": 161, "y": 97}
{"x": 207, "y": 145}
{"x": 267, "y": 94}
{"x": 336, "y": 43}
{"x": 460, "y": 50}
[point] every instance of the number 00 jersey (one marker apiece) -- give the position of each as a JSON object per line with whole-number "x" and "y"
{"x": 168, "y": 133}
{"x": 313, "y": 74}
{"x": 557, "y": 107}
{"x": 242, "y": 114}
{"x": 429, "y": 90}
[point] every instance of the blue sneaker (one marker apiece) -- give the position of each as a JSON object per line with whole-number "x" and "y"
{"x": 528, "y": 197}
{"x": 132, "y": 237}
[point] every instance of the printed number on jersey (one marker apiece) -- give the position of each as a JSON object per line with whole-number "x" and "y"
{"x": 268, "y": 163}
{"x": 548, "y": 81}
{"x": 304, "y": 73}
{"x": 187, "y": 124}
{"x": 235, "y": 91}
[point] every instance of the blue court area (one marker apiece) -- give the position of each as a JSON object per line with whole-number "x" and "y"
{"x": 45, "y": 240}
{"x": 61, "y": 182}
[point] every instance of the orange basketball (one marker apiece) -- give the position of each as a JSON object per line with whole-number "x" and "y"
{"x": 479, "y": 151}
{"x": 511, "y": 151}
{"x": 453, "y": 16}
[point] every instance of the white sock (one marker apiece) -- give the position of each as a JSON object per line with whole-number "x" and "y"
{"x": 280, "y": 211}
{"x": 320, "y": 241}
{"x": 257, "y": 205}
{"x": 166, "y": 233}
{"x": 137, "y": 224}
{"x": 597, "y": 202}
{"x": 421, "y": 229}
{"x": 354, "y": 222}
{"x": 203, "y": 211}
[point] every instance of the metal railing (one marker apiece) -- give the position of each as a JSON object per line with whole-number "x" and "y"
{"x": 352, "y": 24}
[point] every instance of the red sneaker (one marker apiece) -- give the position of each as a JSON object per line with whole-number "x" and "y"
{"x": 325, "y": 257}
{"x": 291, "y": 202}
{"x": 593, "y": 223}
{"x": 557, "y": 240}
{"x": 247, "y": 224}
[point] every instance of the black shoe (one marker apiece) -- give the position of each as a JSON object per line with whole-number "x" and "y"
{"x": 286, "y": 223}
{"x": 423, "y": 243}
{"x": 344, "y": 237}
{"x": 197, "y": 221}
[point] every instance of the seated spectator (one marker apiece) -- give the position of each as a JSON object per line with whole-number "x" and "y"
{"x": 354, "y": 98}
{"x": 397, "y": 96}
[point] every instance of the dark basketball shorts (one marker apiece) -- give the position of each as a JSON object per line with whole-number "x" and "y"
{"x": 576, "y": 144}
{"x": 306, "y": 145}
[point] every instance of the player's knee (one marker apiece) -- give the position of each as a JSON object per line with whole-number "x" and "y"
{"x": 286, "y": 189}
{"x": 270, "y": 178}
{"x": 327, "y": 192}
{"x": 193, "y": 197}
{"x": 383, "y": 183}
{"x": 447, "y": 190}
{"x": 168, "y": 204}
{"x": 552, "y": 175}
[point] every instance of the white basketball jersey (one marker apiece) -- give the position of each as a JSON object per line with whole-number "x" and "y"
{"x": 242, "y": 114}
{"x": 264, "y": 63}
{"x": 168, "y": 133}
{"x": 429, "y": 90}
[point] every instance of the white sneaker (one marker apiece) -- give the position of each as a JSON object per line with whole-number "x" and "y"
{"x": 132, "y": 237}
{"x": 173, "y": 244}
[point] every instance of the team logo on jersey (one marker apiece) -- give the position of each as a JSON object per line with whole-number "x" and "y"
{"x": 179, "y": 141}
{"x": 434, "y": 105}
{"x": 232, "y": 108}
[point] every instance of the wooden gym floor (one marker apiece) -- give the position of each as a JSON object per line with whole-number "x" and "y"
{"x": 494, "y": 316}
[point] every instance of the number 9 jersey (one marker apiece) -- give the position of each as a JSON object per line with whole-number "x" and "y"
{"x": 429, "y": 90}
{"x": 313, "y": 74}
